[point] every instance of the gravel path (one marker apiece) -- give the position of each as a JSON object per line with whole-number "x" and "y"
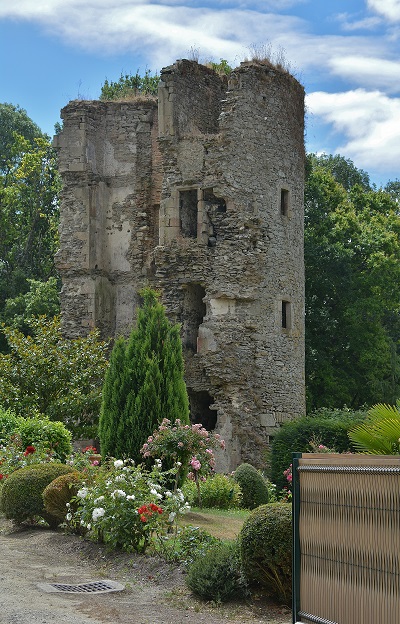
{"x": 155, "y": 592}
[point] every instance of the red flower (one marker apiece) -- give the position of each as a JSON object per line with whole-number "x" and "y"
{"x": 143, "y": 509}
{"x": 90, "y": 449}
{"x": 143, "y": 518}
{"x": 1, "y": 476}
{"x": 29, "y": 450}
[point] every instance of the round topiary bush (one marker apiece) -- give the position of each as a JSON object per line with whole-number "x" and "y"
{"x": 59, "y": 492}
{"x": 266, "y": 549}
{"x": 21, "y": 495}
{"x": 217, "y": 574}
{"x": 253, "y": 486}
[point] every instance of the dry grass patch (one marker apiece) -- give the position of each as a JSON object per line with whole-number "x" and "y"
{"x": 221, "y": 524}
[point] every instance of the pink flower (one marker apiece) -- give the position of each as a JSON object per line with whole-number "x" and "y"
{"x": 194, "y": 462}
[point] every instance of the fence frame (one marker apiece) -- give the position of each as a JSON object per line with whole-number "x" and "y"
{"x": 321, "y": 462}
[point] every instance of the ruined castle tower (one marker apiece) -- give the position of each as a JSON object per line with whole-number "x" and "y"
{"x": 198, "y": 194}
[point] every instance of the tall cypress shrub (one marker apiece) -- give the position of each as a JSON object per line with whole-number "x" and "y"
{"x": 144, "y": 382}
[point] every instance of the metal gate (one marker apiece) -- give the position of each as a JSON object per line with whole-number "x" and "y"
{"x": 346, "y": 539}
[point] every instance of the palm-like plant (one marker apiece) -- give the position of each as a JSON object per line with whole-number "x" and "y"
{"x": 380, "y": 433}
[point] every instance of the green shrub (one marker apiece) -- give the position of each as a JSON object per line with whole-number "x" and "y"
{"x": 193, "y": 542}
{"x": 330, "y": 427}
{"x": 50, "y": 433}
{"x": 217, "y": 575}
{"x": 21, "y": 495}
{"x": 253, "y": 486}
{"x": 266, "y": 549}
{"x": 8, "y": 424}
{"x": 59, "y": 492}
{"x": 217, "y": 491}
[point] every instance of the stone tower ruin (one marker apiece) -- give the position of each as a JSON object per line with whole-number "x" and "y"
{"x": 198, "y": 194}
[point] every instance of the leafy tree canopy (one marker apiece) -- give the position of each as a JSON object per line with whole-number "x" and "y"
{"x": 352, "y": 257}
{"x": 130, "y": 85}
{"x": 46, "y": 373}
{"x": 14, "y": 119}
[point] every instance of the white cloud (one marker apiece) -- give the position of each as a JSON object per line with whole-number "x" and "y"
{"x": 368, "y": 71}
{"x": 388, "y": 8}
{"x": 159, "y": 29}
{"x": 370, "y": 122}
{"x": 350, "y": 22}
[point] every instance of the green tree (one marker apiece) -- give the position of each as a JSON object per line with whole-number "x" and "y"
{"x": 130, "y": 85}
{"x": 42, "y": 299}
{"x": 352, "y": 258}
{"x": 49, "y": 374}
{"x": 144, "y": 382}
{"x": 14, "y": 119}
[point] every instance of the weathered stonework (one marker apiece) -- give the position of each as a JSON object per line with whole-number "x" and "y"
{"x": 199, "y": 195}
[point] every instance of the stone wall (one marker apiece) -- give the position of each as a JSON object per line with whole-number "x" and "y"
{"x": 210, "y": 213}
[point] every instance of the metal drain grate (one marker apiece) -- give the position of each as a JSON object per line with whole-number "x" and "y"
{"x": 96, "y": 587}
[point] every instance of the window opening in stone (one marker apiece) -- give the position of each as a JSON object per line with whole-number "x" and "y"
{"x": 286, "y": 320}
{"x": 200, "y": 411}
{"x": 194, "y": 311}
{"x": 284, "y": 202}
{"x": 188, "y": 213}
{"x": 211, "y": 200}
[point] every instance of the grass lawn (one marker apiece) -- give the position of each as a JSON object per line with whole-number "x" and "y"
{"x": 218, "y": 522}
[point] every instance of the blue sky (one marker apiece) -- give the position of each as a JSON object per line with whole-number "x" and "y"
{"x": 345, "y": 52}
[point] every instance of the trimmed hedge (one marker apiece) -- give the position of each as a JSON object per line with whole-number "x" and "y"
{"x": 21, "y": 495}
{"x": 330, "y": 427}
{"x": 8, "y": 425}
{"x": 253, "y": 486}
{"x": 266, "y": 549}
{"x": 59, "y": 492}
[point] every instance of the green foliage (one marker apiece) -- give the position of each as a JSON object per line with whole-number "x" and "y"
{"x": 222, "y": 68}
{"x": 42, "y": 299}
{"x": 29, "y": 215}
{"x": 217, "y": 491}
{"x": 8, "y": 424}
{"x": 193, "y": 543}
{"x": 329, "y": 427}
{"x": 217, "y": 575}
{"x": 58, "y": 494}
{"x": 144, "y": 383}
{"x": 253, "y": 486}
{"x": 266, "y": 549}
{"x": 352, "y": 262}
{"x": 52, "y": 435}
{"x": 21, "y": 496}
{"x": 49, "y": 374}
{"x": 14, "y": 119}
{"x": 130, "y": 85}
{"x": 379, "y": 434}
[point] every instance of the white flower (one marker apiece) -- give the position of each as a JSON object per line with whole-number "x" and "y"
{"x": 82, "y": 493}
{"x": 68, "y": 516}
{"x": 118, "y": 463}
{"x": 120, "y": 477}
{"x": 88, "y": 526}
{"x": 153, "y": 491}
{"x": 168, "y": 494}
{"x": 118, "y": 494}
{"x": 158, "y": 463}
{"x": 97, "y": 513}
{"x": 130, "y": 497}
{"x": 179, "y": 464}
{"x": 171, "y": 516}
{"x": 98, "y": 500}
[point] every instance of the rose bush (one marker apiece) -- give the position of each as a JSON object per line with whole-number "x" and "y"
{"x": 188, "y": 448}
{"x": 124, "y": 505}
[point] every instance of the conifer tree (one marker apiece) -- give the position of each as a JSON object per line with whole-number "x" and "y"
{"x": 144, "y": 382}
